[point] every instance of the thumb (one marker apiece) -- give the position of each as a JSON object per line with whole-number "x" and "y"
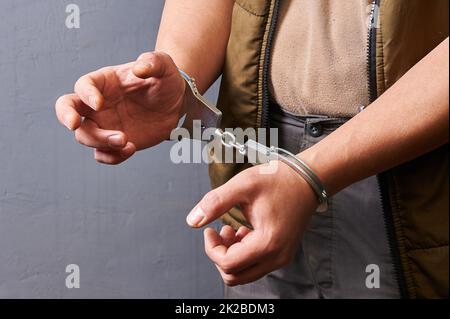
{"x": 214, "y": 204}
{"x": 152, "y": 64}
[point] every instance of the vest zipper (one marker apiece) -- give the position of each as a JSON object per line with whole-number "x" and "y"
{"x": 382, "y": 177}
{"x": 371, "y": 51}
{"x": 266, "y": 67}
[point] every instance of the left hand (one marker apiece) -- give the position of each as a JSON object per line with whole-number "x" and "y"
{"x": 277, "y": 205}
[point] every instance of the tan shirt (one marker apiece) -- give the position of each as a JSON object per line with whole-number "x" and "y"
{"x": 319, "y": 57}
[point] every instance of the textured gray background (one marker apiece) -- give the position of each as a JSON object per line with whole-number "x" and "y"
{"x": 124, "y": 226}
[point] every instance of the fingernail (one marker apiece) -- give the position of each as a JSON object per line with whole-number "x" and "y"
{"x": 93, "y": 102}
{"x": 68, "y": 121}
{"x": 145, "y": 64}
{"x": 115, "y": 140}
{"x": 196, "y": 217}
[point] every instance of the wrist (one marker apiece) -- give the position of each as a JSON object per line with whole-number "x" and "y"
{"x": 297, "y": 184}
{"x": 184, "y": 98}
{"x": 322, "y": 166}
{"x": 303, "y": 170}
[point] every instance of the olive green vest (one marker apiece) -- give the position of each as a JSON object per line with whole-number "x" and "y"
{"x": 415, "y": 195}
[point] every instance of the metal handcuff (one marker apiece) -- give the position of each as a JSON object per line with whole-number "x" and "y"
{"x": 200, "y": 110}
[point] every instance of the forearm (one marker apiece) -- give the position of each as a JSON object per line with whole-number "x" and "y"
{"x": 409, "y": 120}
{"x": 195, "y": 34}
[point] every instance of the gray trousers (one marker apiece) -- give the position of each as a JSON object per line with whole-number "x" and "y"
{"x": 345, "y": 252}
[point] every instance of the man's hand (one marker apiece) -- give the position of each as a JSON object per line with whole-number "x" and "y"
{"x": 277, "y": 205}
{"x": 118, "y": 110}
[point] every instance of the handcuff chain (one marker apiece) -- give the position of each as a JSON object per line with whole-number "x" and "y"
{"x": 228, "y": 140}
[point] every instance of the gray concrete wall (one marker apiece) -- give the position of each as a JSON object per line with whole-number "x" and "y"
{"x": 124, "y": 226}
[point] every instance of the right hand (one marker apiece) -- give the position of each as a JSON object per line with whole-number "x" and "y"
{"x": 120, "y": 109}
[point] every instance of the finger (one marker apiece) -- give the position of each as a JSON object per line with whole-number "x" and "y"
{"x": 115, "y": 157}
{"x": 69, "y": 110}
{"x": 89, "y": 87}
{"x": 89, "y": 134}
{"x": 238, "y": 256}
{"x": 152, "y": 64}
{"x": 242, "y": 232}
{"x": 228, "y": 235}
{"x": 213, "y": 241}
{"x": 217, "y": 202}
{"x": 256, "y": 271}
{"x": 249, "y": 275}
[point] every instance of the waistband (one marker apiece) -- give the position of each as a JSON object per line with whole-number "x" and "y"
{"x": 277, "y": 110}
